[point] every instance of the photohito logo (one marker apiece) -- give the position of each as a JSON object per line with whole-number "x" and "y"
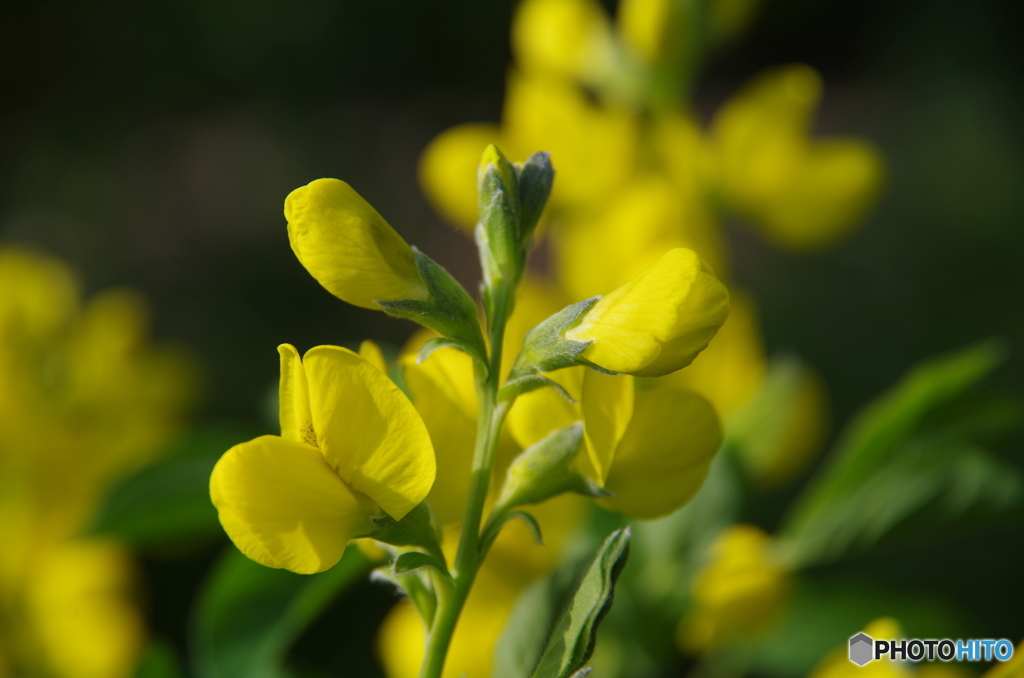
{"x": 864, "y": 649}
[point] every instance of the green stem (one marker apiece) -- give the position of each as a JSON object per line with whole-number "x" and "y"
{"x": 471, "y": 552}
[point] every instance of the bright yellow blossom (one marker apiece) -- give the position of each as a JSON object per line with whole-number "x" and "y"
{"x": 351, "y": 446}
{"x": 348, "y": 247}
{"x": 742, "y": 590}
{"x": 659, "y": 321}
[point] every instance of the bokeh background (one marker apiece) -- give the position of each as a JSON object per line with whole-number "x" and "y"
{"x": 152, "y": 145}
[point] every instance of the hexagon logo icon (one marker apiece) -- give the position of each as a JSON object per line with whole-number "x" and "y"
{"x": 860, "y": 649}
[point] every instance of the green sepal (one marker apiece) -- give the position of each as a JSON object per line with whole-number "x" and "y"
{"x": 536, "y": 176}
{"x": 546, "y": 469}
{"x": 545, "y": 347}
{"x": 530, "y": 382}
{"x": 572, "y": 641}
{"x": 413, "y": 560}
{"x": 415, "y": 529}
{"x": 449, "y": 310}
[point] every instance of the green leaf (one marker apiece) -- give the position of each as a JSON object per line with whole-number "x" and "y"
{"x": 169, "y": 501}
{"x": 159, "y": 661}
{"x": 531, "y": 382}
{"x": 248, "y": 616}
{"x": 572, "y": 641}
{"x": 526, "y": 631}
{"x": 899, "y": 455}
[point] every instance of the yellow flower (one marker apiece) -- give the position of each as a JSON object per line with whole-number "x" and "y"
{"x": 801, "y": 193}
{"x": 659, "y": 321}
{"x": 351, "y": 446}
{"x": 348, "y": 247}
{"x": 442, "y": 390}
{"x": 729, "y": 371}
{"x": 567, "y": 38}
{"x": 84, "y": 399}
{"x": 650, "y": 449}
{"x": 741, "y": 591}
{"x": 633, "y": 228}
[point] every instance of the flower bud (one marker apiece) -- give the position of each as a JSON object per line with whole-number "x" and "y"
{"x": 348, "y": 247}
{"x": 659, "y": 321}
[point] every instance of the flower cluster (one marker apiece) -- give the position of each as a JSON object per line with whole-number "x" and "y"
{"x": 359, "y": 458}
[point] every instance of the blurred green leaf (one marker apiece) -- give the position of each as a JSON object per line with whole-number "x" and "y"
{"x": 159, "y": 661}
{"x": 169, "y": 501}
{"x": 572, "y": 641}
{"x": 526, "y": 631}
{"x": 909, "y": 449}
{"x": 247, "y": 615}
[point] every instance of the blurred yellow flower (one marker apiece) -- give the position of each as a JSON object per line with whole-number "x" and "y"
{"x": 659, "y": 321}
{"x": 801, "y": 193}
{"x": 84, "y": 399}
{"x": 351, "y": 446}
{"x": 348, "y": 247}
{"x": 567, "y": 38}
{"x": 742, "y": 590}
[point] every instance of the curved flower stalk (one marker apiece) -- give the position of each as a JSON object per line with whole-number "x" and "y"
{"x": 439, "y": 478}
{"x": 85, "y": 399}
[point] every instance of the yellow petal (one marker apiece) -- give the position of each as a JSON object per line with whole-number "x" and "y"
{"x": 293, "y": 398}
{"x": 607, "y": 405}
{"x": 633, "y": 229}
{"x": 742, "y": 590}
{"x": 448, "y": 170}
{"x": 368, "y": 430}
{"x": 537, "y": 413}
{"x": 79, "y": 604}
{"x": 827, "y": 196}
{"x": 568, "y": 38}
{"x": 348, "y": 247}
{"x": 284, "y": 507}
{"x": 730, "y": 370}
{"x": 665, "y": 454}
{"x": 452, "y": 431}
{"x": 658, "y": 321}
{"x": 370, "y": 352}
